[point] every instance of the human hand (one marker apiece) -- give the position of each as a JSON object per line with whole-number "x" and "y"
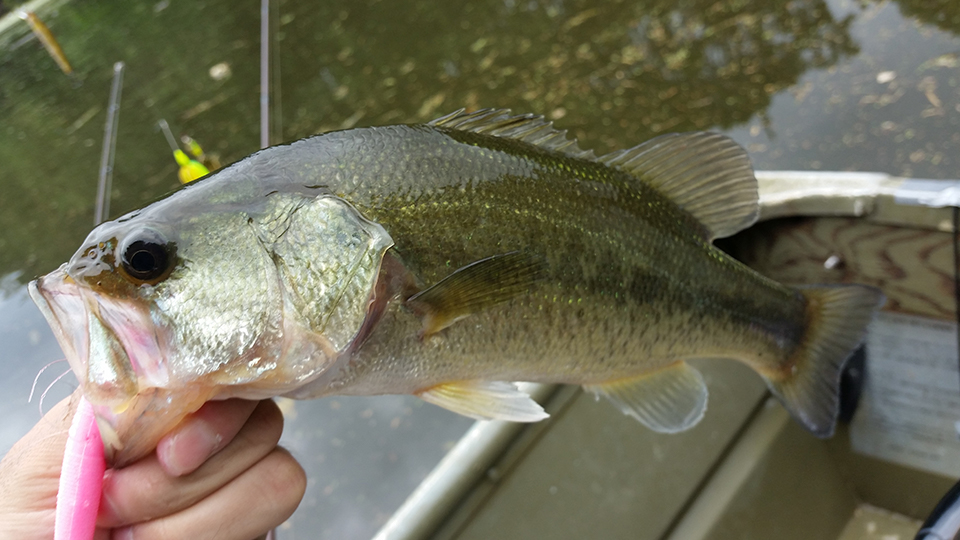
{"x": 219, "y": 473}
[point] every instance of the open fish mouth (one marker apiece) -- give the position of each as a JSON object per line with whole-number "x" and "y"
{"x": 114, "y": 351}
{"x": 58, "y": 298}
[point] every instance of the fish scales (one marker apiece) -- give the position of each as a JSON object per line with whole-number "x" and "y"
{"x": 444, "y": 260}
{"x": 609, "y": 264}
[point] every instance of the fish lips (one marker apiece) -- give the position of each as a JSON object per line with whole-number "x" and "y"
{"x": 113, "y": 350}
{"x": 58, "y": 298}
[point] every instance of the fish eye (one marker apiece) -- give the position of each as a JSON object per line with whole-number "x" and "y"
{"x": 147, "y": 256}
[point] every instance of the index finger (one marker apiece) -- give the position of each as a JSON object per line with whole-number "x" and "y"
{"x": 145, "y": 491}
{"x": 202, "y": 434}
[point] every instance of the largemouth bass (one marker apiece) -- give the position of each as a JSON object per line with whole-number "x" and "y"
{"x": 444, "y": 260}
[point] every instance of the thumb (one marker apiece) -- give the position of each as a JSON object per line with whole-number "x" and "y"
{"x": 31, "y": 471}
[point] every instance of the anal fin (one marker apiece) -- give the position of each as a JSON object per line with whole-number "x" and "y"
{"x": 669, "y": 400}
{"x": 485, "y": 400}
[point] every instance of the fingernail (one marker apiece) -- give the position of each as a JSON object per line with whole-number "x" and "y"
{"x": 123, "y": 533}
{"x": 184, "y": 451}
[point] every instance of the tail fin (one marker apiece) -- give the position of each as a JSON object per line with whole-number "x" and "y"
{"x": 837, "y": 319}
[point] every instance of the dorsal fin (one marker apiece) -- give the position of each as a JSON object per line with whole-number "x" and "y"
{"x": 706, "y": 174}
{"x": 529, "y": 128}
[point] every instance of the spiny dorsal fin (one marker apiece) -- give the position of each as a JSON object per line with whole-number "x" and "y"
{"x": 706, "y": 174}
{"x": 529, "y": 128}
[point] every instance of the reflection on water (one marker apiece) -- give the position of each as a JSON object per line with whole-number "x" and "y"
{"x": 615, "y": 73}
{"x": 945, "y": 14}
{"x": 804, "y": 84}
{"x": 894, "y": 107}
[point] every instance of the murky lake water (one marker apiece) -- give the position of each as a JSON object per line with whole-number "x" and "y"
{"x": 802, "y": 84}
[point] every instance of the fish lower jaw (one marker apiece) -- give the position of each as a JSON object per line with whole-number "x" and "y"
{"x": 133, "y": 432}
{"x": 58, "y": 299}
{"x": 111, "y": 441}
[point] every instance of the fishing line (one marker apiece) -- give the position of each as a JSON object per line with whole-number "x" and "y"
{"x": 37, "y": 378}
{"x": 49, "y": 386}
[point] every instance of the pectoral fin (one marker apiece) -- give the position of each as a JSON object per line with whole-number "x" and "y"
{"x": 670, "y": 400}
{"x": 485, "y": 400}
{"x": 475, "y": 287}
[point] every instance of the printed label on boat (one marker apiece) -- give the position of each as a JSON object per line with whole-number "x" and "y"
{"x": 909, "y": 412}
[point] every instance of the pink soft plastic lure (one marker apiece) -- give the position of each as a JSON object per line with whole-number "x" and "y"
{"x": 81, "y": 478}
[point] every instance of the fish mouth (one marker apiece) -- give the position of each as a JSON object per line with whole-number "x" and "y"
{"x": 114, "y": 350}
{"x": 58, "y": 298}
